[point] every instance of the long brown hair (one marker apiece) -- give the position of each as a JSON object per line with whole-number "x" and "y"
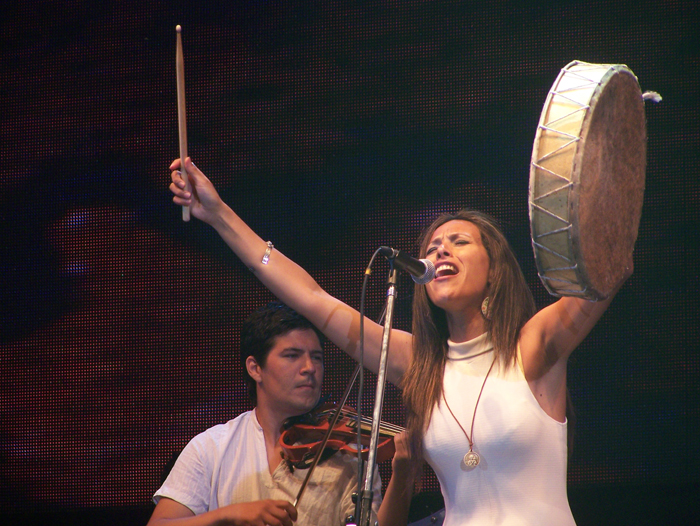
{"x": 511, "y": 305}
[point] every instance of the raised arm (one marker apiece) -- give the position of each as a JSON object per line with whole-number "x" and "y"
{"x": 547, "y": 341}
{"x": 287, "y": 280}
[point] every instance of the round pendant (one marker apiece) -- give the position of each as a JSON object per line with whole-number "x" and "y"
{"x": 471, "y": 459}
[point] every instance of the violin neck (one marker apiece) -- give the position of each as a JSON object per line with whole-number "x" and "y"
{"x": 385, "y": 428}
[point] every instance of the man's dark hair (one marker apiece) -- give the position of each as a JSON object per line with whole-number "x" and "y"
{"x": 259, "y": 332}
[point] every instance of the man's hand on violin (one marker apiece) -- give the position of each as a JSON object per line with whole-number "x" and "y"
{"x": 397, "y": 499}
{"x": 402, "y": 464}
{"x": 260, "y": 513}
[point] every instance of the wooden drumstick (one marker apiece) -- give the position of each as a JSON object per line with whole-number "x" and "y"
{"x": 181, "y": 115}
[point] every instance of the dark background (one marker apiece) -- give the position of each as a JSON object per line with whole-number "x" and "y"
{"x": 332, "y": 128}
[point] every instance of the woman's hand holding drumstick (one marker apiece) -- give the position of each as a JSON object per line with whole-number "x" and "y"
{"x": 198, "y": 194}
{"x": 181, "y": 114}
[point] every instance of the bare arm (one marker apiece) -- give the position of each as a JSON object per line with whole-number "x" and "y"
{"x": 559, "y": 328}
{"x": 261, "y": 513}
{"x": 287, "y": 280}
{"x": 547, "y": 341}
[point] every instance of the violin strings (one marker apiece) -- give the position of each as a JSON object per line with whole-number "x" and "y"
{"x": 367, "y": 423}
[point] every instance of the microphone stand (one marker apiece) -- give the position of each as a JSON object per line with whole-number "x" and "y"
{"x": 366, "y": 495}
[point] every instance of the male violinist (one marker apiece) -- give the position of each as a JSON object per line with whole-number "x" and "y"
{"x": 233, "y": 473}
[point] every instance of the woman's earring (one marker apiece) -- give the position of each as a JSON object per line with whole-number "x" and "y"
{"x": 485, "y": 311}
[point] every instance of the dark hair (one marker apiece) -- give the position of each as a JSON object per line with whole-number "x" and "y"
{"x": 259, "y": 332}
{"x": 511, "y": 305}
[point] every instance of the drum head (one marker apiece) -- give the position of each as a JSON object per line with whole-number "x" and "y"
{"x": 611, "y": 182}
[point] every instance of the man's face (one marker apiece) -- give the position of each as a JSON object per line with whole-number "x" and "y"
{"x": 290, "y": 382}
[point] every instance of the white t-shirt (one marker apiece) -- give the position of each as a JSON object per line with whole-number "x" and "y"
{"x": 227, "y": 464}
{"x": 521, "y": 477}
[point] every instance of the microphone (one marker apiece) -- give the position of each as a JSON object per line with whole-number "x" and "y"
{"x": 421, "y": 270}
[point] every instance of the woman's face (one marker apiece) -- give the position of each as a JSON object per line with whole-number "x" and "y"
{"x": 461, "y": 266}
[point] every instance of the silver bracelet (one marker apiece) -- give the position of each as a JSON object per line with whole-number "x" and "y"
{"x": 266, "y": 257}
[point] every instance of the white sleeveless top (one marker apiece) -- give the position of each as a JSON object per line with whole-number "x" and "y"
{"x": 521, "y": 477}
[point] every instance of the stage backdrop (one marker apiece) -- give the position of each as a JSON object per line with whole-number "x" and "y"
{"x": 332, "y": 128}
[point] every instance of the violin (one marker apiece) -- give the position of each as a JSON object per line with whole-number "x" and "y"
{"x": 305, "y": 435}
{"x": 322, "y": 432}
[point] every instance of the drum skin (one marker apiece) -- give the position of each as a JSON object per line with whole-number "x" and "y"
{"x": 587, "y": 180}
